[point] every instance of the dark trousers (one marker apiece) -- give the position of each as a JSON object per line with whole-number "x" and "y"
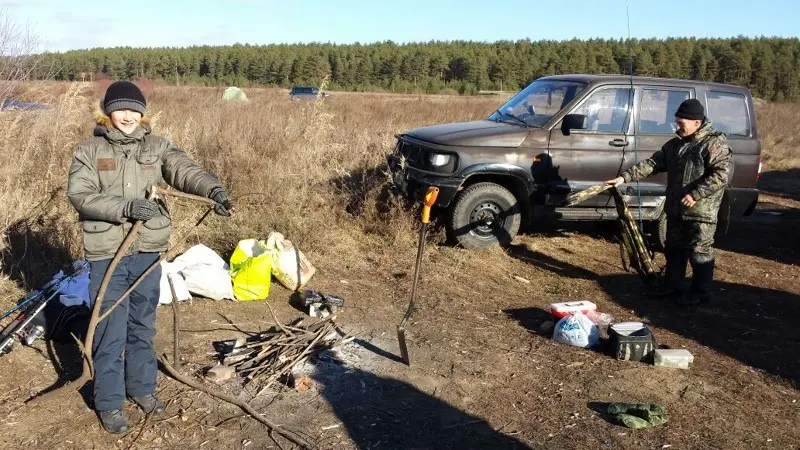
{"x": 694, "y": 239}
{"x": 124, "y": 359}
{"x": 689, "y": 242}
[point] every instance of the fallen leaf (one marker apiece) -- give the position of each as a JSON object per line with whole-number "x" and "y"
{"x": 303, "y": 384}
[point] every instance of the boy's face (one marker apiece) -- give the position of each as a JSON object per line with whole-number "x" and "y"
{"x": 126, "y": 120}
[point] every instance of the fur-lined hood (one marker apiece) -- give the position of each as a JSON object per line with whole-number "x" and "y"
{"x": 105, "y": 128}
{"x": 103, "y": 120}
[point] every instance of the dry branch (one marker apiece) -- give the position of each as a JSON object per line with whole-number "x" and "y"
{"x": 288, "y": 434}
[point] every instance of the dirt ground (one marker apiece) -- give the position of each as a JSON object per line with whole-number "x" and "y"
{"x": 481, "y": 375}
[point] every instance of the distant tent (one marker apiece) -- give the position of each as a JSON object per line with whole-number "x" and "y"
{"x": 234, "y": 93}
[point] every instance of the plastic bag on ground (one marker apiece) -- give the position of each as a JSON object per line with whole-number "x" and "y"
{"x": 205, "y": 273}
{"x": 181, "y": 290}
{"x": 576, "y": 329}
{"x": 75, "y": 291}
{"x": 209, "y": 282}
{"x": 289, "y": 266}
{"x": 199, "y": 254}
{"x": 251, "y": 270}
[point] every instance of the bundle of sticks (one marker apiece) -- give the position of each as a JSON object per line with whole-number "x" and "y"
{"x": 270, "y": 356}
{"x": 641, "y": 260}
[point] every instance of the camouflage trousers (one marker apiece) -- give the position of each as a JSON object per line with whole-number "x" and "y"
{"x": 691, "y": 238}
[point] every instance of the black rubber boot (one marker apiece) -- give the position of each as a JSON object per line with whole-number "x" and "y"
{"x": 674, "y": 274}
{"x": 700, "y": 292}
{"x": 114, "y": 421}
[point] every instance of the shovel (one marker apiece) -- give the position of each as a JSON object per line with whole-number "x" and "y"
{"x": 430, "y": 199}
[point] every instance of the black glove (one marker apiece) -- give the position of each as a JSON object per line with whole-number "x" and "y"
{"x": 140, "y": 209}
{"x": 224, "y": 204}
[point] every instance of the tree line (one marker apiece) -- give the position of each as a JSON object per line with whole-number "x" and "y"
{"x": 770, "y": 67}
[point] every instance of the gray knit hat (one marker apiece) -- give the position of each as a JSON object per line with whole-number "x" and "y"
{"x": 123, "y": 95}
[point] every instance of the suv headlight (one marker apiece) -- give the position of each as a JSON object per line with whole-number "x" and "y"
{"x": 438, "y": 159}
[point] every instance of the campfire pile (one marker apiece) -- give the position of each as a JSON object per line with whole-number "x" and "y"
{"x": 270, "y": 356}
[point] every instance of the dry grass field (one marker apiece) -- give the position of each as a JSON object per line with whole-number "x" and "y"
{"x": 482, "y": 376}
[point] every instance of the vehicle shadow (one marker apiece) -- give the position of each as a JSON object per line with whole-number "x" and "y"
{"x": 755, "y": 325}
{"x": 769, "y": 233}
{"x": 783, "y": 183}
{"x": 380, "y": 412}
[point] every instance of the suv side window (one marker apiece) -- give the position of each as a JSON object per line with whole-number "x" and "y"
{"x": 657, "y": 110}
{"x": 607, "y": 110}
{"x": 728, "y": 112}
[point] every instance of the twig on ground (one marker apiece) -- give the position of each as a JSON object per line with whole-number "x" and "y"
{"x": 288, "y": 434}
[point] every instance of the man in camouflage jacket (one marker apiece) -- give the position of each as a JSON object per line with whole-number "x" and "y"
{"x": 699, "y": 165}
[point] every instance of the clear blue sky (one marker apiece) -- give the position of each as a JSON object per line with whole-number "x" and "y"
{"x": 72, "y": 24}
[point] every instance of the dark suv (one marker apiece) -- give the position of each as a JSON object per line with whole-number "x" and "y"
{"x": 306, "y": 93}
{"x": 562, "y": 134}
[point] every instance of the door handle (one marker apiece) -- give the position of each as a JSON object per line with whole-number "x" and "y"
{"x": 618, "y": 143}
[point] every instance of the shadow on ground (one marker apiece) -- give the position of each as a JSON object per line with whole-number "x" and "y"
{"x": 32, "y": 255}
{"x": 769, "y": 233}
{"x": 383, "y": 412}
{"x": 755, "y": 325}
{"x": 783, "y": 183}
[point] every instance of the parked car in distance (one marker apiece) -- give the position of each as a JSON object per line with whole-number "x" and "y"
{"x": 560, "y": 135}
{"x": 306, "y": 93}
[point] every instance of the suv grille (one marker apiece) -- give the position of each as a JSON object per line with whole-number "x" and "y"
{"x": 412, "y": 153}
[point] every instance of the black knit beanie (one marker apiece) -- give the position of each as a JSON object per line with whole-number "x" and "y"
{"x": 691, "y": 109}
{"x": 123, "y": 95}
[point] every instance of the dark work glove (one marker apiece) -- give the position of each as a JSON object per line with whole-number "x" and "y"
{"x": 224, "y": 204}
{"x": 140, "y": 209}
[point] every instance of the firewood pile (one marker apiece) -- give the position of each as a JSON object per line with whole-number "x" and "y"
{"x": 270, "y": 356}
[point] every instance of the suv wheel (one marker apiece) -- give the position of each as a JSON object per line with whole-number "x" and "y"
{"x": 483, "y": 215}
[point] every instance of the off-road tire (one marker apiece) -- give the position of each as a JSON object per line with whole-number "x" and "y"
{"x": 488, "y": 201}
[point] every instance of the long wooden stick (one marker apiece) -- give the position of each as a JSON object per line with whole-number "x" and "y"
{"x": 175, "y": 323}
{"x": 180, "y": 194}
{"x": 130, "y": 289}
{"x": 288, "y": 434}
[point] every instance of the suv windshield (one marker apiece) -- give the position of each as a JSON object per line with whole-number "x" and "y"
{"x": 538, "y": 102}
{"x": 304, "y": 90}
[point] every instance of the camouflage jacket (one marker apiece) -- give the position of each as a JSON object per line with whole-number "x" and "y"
{"x": 700, "y": 165}
{"x": 111, "y": 169}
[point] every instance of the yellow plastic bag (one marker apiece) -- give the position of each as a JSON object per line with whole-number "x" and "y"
{"x": 251, "y": 270}
{"x": 289, "y": 265}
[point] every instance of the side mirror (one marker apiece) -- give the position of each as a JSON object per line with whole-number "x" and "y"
{"x": 574, "y": 122}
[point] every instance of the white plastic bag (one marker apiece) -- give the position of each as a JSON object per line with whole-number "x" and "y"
{"x": 576, "y": 329}
{"x": 205, "y": 272}
{"x": 181, "y": 290}
{"x": 290, "y": 266}
{"x": 200, "y": 254}
{"x": 209, "y": 282}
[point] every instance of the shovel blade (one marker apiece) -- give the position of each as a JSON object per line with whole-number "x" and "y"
{"x": 401, "y": 339}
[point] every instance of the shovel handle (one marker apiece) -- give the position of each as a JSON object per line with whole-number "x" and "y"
{"x": 430, "y": 199}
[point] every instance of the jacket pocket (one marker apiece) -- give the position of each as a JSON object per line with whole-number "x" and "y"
{"x": 100, "y": 238}
{"x": 154, "y": 235}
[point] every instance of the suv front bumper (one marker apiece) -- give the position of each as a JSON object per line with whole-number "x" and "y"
{"x": 413, "y": 183}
